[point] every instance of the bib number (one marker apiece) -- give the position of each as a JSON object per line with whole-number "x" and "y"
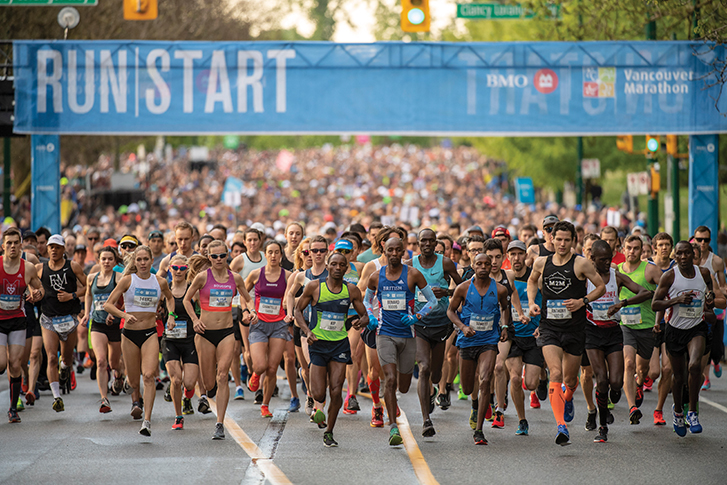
{"x": 692, "y": 310}
{"x": 600, "y": 311}
{"x": 63, "y": 324}
{"x": 145, "y": 298}
{"x": 332, "y": 322}
{"x": 269, "y": 306}
{"x": 236, "y": 301}
{"x": 179, "y": 330}
{"x": 631, "y": 315}
{"x": 481, "y": 323}
{"x": 556, "y": 310}
{"x": 516, "y": 316}
{"x": 393, "y": 301}
{"x": 220, "y": 298}
{"x": 99, "y": 300}
{"x": 9, "y": 302}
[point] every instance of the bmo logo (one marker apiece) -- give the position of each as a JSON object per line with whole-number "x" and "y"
{"x": 509, "y": 81}
{"x": 545, "y": 81}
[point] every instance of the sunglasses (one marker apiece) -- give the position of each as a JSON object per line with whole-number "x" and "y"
{"x": 344, "y": 251}
{"x": 92, "y": 238}
{"x": 218, "y": 256}
{"x": 439, "y": 252}
{"x": 703, "y": 239}
{"x": 305, "y": 253}
{"x": 128, "y": 246}
{"x": 180, "y": 268}
{"x": 319, "y": 251}
{"x": 548, "y": 229}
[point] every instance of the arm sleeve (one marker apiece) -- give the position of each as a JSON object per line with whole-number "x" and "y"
{"x": 370, "y": 301}
{"x": 431, "y": 301}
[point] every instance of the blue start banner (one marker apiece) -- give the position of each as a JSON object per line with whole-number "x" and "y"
{"x": 493, "y": 89}
{"x": 45, "y": 166}
{"x": 704, "y": 184}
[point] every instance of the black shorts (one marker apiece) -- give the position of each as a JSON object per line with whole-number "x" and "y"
{"x": 179, "y": 350}
{"x": 606, "y": 339}
{"x": 659, "y": 336}
{"x": 571, "y": 341}
{"x": 434, "y": 335}
{"x": 112, "y": 332}
{"x": 641, "y": 339}
{"x": 296, "y": 336}
{"x": 32, "y": 328}
{"x": 139, "y": 337}
{"x": 217, "y": 335}
{"x": 710, "y": 336}
{"x": 677, "y": 340}
{"x": 369, "y": 338}
{"x": 527, "y": 348}
{"x": 585, "y": 362}
{"x": 236, "y": 331}
{"x": 473, "y": 353}
{"x": 324, "y": 351}
{"x": 13, "y": 325}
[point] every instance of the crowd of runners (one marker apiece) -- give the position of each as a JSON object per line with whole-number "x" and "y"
{"x": 486, "y": 316}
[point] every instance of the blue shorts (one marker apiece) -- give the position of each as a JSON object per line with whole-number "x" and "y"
{"x": 324, "y": 351}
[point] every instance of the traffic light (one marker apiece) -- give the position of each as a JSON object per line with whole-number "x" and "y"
{"x": 655, "y": 180}
{"x": 415, "y": 15}
{"x": 672, "y": 147}
{"x": 652, "y": 143}
{"x": 140, "y": 9}
{"x": 625, "y": 143}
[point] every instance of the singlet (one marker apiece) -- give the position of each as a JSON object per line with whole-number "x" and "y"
{"x": 708, "y": 264}
{"x": 598, "y": 313}
{"x": 100, "y": 294}
{"x": 12, "y": 303}
{"x": 183, "y": 327}
{"x": 637, "y": 316}
{"x": 687, "y": 316}
{"x": 308, "y": 277}
{"x": 482, "y": 314}
{"x": 250, "y": 266}
{"x": 352, "y": 277}
{"x": 560, "y": 283}
{"x": 672, "y": 263}
{"x": 505, "y": 281}
{"x": 543, "y": 251}
{"x": 215, "y": 296}
{"x": 54, "y": 281}
{"x": 435, "y": 278}
{"x": 269, "y": 297}
{"x": 396, "y": 300}
{"x": 521, "y": 285}
{"x": 329, "y": 313}
{"x": 142, "y": 295}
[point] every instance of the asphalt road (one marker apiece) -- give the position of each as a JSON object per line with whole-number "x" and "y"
{"x": 81, "y": 446}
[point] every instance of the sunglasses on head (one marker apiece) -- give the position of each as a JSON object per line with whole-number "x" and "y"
{"x": 703, "y": 239}
{"x": 548, "y": 229}
{"x": 218, "y": 256}
{"x": 128, "y": 246}
{"x": 319, "y": 251}
{"x": 344, "y": 251}
{"x": 180, "y": 268}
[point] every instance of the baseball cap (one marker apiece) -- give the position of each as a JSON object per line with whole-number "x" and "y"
{"x": 56, "y": 239}
{"x": 344, "y": 244}
{"x": 129, "y": 238}
{"x": 550, "y": 219}
{"x": 80, "y": 247}
{"x": 475, "y": 229}
{"x": 29, "y": 235}
{"x": 111, "y": 243}
{"x": 516, "y": 245}
{"x": 500, "y": 230}
{"x": 156, "y": 233}
{"x": 258, "y": 226}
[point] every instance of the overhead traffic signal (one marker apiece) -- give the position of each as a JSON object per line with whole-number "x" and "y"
{"x": 652, "y": 143}
{"x": 415, "y": 15}
{"x": 140, "y": 9}
{"x": 625, "y": 143}
{"x": 672, "y": 147}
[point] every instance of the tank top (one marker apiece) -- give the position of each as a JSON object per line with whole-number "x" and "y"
{"x": 142, "y": 295}
{"x": 637, "y": 316}
{"x": 687, "y": 316}
{"x": 250, "y": 266}
{"x": 598, "y": 312}
{"x": 12, "y": 303}
{"x": 543, "y": 251}
{"x": 396, "y": 300}
{"x": 269, "y": 297}
{"x": 482, "y": 314}
{"x": 505, "y": 281}
{"x": 521, "y": 286}
{"x": 54, "y": 281}
{"x": 308, "y": 277}
{"x": 329, "y": 313}
{"x": 435, "y": 278}
{"x": 100, "y": 294}
{"x": 183, "y": 326}
{"x": 352, "y": 277}
{"x": 560, "y": 283}
{"x": 708, "y": 264}
{"x": 215, "y": 296}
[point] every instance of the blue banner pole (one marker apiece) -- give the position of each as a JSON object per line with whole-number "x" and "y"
{"x": 45, "y": 182}
{"x": 704, "y": 184}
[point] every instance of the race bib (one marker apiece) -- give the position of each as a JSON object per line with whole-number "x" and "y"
{"x": 556, "y": 310}
{"x": 236, "y": 300}
{"x": 516, "y": 316}
{"x": 99, "y": 300}
{"x": 332, "y": 322}
{"x": 481, "y": 323}
{"x": 269, "y": 306}
{"x": 220, "y": 298}
{"x": 179, "y": 330}
{"x": 692, "y": 310}
{"x": 145, "y": 298}
{"x": 10, "y": 302}
{"x": 393, "y": 301}
{"x": 631, "y": 315}
{"x": 600, "y": 310}
{"x": 63, "y": 324}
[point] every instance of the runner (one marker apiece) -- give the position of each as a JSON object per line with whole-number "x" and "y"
{"x": 64, "y": 283}
{"x": 484, "y": 303}
{"x": 18, "y": 275}
{"x": 394, "y": 285}
{"x": 329, "y": 347}
{"x": 562, "y": 328}
{"x": 183, "y": 233}
{"x": 141, "y": 291}
{"x": 303, "y": 262}
{"x": 548, "y": 247}
{"x": 586, "y": 379}
{"x": 215, "y": 341}
{"x": 156, "y": 244}
{"x": 609, "y": 234}
{"x": 503, "y": 235}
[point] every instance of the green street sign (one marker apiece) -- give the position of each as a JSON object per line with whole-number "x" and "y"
{"x": 48, "y": 3}
{"x": 231, "y": 142}
{"x": 498, "y": 11}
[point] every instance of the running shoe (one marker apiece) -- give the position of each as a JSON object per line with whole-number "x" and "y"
{"x": 707, "y": 384}
{"x": 591, "y": 420}
{"x": 353, "y": 404}
{"x": 693, "y": 420}
{"x": 602, "y": 436}
{"x": 328, "y": 440}
{"x": 265, "y": 412}
{"x": 20, "y": 406}
{"x": 522, "y": 428}
{"x": 499, "y": 421}
{"x": 219, "y": 433}
{"x": 398, "y": 411}
{"x": 395, "y": 436}
{"x": 64, "y": 375}
{"x": 433, "y": 401}
{"x": 611, "y": 405}
{"x": 648, "y": 383}
{"x": 479, "y": 437}
{"x": 473, "y": 419}
{"x": 136, "y": 410}
{"x": 444, "y": 401}
{"x": 534, "y": 401}
{"x": 117, "y": 386}
{"x": 377, "y": 417}
{"x": 294, "y": 405}
{"x": 94, "y": 369}
{"x": 13, "y": 416}
{"x": 562, "y": 438}
{"x": 24, "y": 386}
{"x": 542, "y": 390}
{"x": 428, "y": 429}
{"x": 58, "y": 405}
{"x": 318, "y": 416}
{"x": 569, "y": 410}
{"x": 187, "y": 407}
{"x": 243, "y": 372}
{"x": 254, "y": 383}
{"x": 73, "y": 382}
{"x": 127, "y": 387}
{"x": 461, "y": 395}
{"x": 680, "y": 427}
{"x": 609, "y": 418}
{"x": 614, "y": 396}
{"x": 635, "y": 415}
{"x": 639, "y": 395}
{"x": 276, "y": 391}
{"x": 239, "y": 394}
{"x": 30, "y": 398}
{"x": 659, "y": 419}
{"x": 488, "y": 413}
{"x": 717, "y": 369}
{"x": 346, "y": 409}
{"x": 258, "y": 397}
{"x": 178, "y": 423}
{"x": 105, "y": 406}
{"x": 168, "y": 394}
{"x": 309, "y": 404}
{"x": 145, "y": 428}
{"x": 159, "y": 384}
{"x": 211, "y": 393}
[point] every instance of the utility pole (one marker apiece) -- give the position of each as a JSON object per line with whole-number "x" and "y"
{"x": 653, "y": 205}
{"x": 7, "y": 210}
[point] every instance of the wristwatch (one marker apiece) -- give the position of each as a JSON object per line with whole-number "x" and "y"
{"x": 585, "y": 300}
{"x": 75, "y": 296}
